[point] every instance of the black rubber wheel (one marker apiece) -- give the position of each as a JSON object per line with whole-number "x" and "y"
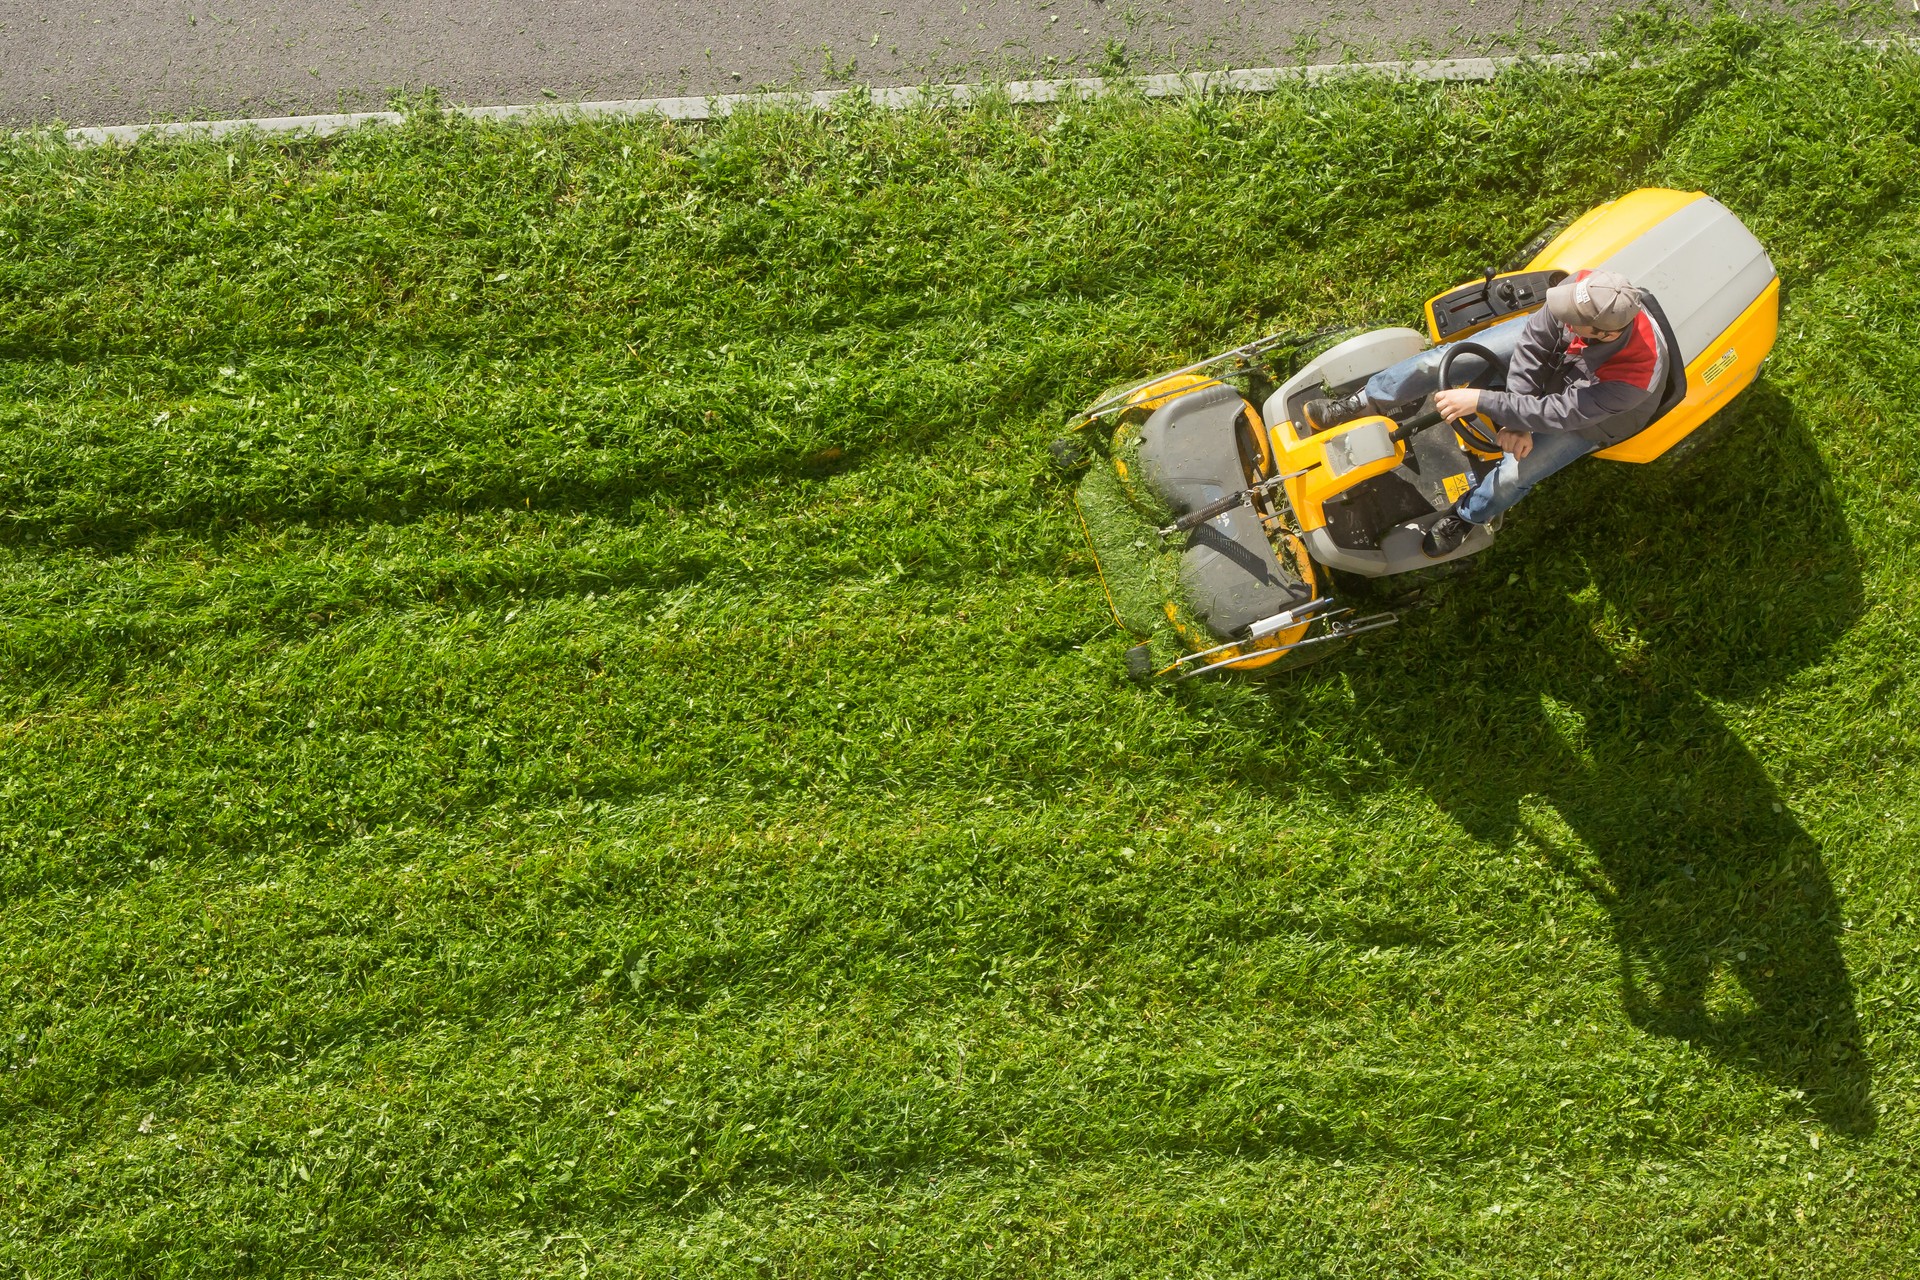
{"x": 1430, "y": 575}
{"x": 1535, "y": 245}
{"x": 1697, "y": 442}
{"x": 1068, "y": 454}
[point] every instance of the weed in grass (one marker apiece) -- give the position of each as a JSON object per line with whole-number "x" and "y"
{"x": 555, "y": 717}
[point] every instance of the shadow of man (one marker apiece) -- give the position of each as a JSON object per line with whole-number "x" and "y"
{"x": 1577, "y": 712}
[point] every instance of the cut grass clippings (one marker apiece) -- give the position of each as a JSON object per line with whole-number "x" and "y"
{"x": 557, "y": 721}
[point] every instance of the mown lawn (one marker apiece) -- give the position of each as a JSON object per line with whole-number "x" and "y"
{"x": 557, "y": 722}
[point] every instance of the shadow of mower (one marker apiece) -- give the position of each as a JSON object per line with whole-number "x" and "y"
{"x": 1566, "y": 696}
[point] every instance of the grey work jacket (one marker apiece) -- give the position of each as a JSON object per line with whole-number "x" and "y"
{"x": 1549, "y": 389}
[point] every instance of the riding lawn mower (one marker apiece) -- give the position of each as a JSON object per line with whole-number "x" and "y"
{"x": 1224, "y": 526}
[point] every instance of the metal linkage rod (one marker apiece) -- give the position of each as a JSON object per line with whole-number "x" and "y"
{"x": 1335, "y": 631}
{"x": 1244, "y": 354}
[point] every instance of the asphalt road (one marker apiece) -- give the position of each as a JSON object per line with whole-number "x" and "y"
{"x": 94, "y": 64}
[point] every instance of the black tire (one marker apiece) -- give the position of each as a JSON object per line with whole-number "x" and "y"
{"x": 1385, "y": 592}
{"x": 1445, "y": 571}
{"x": 1697, "y": 442}
{"x": 1535, "y": 245}
{"x": 1342, "y": 584}
{"x": 1069, "y": 454}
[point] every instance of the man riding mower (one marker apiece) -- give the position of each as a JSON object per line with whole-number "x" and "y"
{"x": 1219, "y": 528}
{"x": 1581, "y": 373}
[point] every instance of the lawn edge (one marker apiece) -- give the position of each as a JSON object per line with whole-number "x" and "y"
{"x": 892, "y": 98}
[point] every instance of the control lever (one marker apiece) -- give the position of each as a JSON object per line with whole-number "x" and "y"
{"x": 1219, "y": 507}
{"x": 1200, "y": 515}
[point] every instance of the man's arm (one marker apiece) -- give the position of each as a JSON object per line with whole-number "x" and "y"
{"x": 1585, "y": 404}
{"x": 1536, "y": 345}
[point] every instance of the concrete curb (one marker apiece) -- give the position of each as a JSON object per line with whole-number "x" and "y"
{"x": 1251, "y": 80}
{"x": 1178, "y": 85}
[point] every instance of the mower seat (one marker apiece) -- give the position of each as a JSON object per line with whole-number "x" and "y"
{"x": 1190, "y": 455}
{"x": 1675, "y": 389}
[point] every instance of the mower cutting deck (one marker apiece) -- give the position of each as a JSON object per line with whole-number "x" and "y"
{"x": 1216, "y": 524}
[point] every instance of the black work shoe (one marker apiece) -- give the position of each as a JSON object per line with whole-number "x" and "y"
{"x": 1324, "y": 415}
{"x": 1445, "y": 535}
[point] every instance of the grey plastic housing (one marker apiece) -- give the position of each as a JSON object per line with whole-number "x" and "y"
{"x": 1359, "y": 445}
{"x": 1231, "y": 576}
{"x": 1358, "y": 357}
{"x": 1703, "y": 265}
{"x": 1399, "y": 552}
{"x": 1228, "y": 570}
{"x": 1187, "y": 449}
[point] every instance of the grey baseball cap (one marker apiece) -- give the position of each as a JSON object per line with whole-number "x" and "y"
{"x": 1599, "y": 300}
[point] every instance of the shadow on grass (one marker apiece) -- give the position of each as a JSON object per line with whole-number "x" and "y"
{"x": 1576, "y": 712}
{"x": 117, "y": 531}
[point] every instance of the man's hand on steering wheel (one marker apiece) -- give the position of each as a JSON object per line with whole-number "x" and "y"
{"x": 1455, "y": 403}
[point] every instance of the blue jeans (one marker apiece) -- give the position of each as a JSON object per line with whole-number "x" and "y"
{"x": 1418, "y": 376}
{"x": 1514, "y": 478}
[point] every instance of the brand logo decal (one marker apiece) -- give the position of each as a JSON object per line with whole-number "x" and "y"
{"x": 1720, "y": 365}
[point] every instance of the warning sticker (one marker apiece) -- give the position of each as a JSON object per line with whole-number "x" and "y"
{"x": 1720, "y": 365}
{"x": 1456, "y": 485}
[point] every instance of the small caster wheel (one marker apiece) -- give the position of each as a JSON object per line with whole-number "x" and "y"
{"x": 1069, "y": 454}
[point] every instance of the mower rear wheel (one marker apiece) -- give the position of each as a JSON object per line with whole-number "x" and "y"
{"x": 1695, "y": 443}
{"x": 1532, "y": 248}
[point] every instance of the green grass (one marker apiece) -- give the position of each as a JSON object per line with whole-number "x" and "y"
{"x": 556, "y": 720}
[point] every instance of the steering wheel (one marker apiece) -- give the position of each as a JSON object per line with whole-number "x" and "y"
{"x": 1476, "y": 437}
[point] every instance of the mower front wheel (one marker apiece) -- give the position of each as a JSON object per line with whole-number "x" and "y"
{"x": 1069, "y": 454}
